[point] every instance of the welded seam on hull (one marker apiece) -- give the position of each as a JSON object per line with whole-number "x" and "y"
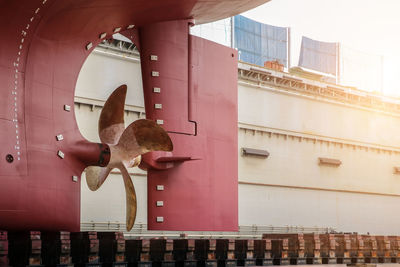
{"x": 14, "y": 91}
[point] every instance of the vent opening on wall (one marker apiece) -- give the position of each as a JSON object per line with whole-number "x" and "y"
{"x": 396, "y": 170}
{"x": 330, "y": 162}
{"x": 255, "y": 152}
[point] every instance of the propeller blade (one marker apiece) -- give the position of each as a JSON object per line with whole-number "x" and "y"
{"x": 126, "y": 147}
{"x": 143, "y": 136}
{"x": 111, "y": 122}
{"x": 95, "y": 176}
{"x": 131, "y": 205}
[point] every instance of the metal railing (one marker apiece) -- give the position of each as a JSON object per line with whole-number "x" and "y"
{"x": 245, "y": 231}
{"x": 282, "y": 81}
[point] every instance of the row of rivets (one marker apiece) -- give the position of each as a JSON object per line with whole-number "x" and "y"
{"x": 60, "y": 154}
{"x": 160, "y": 203}
{"x": 14, "y": 90}
{"x": 60, "y": 137}
{"x": 156, "y": 89}
{"x": 89, "y": 45}
{"x": 103, "y": 35}
{"x": 160, "y": 187}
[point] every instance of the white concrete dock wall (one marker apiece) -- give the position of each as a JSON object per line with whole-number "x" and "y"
{"x": 287, "y": 188}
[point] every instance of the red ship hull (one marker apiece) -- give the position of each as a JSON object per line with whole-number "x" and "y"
{"x": 44, "y": 44}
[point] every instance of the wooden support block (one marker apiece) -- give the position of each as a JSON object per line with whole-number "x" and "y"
{"x": 231, "y": 250}
{"x": 360, "y": 242}
{"x": 259, "y": 249}
{"x": 180, "y": 248}
{"x": 145, "y": 251}
{"x": 211, "y": 253}
{"x": 222, "y": 249}
{"x": 361, "y": 248}
{"x": 111, "y": 248}
{"x": 332, "y": 242}
{"x": 169, "y": 247}
{"x": 267, "y": 250}
{"x": 250, "y": 258}
{"x": 250, "y": 252}
{"x": 85, "y": 248}
{"x": 347, "y": 242}
{"x": 36, "y": 248}
{"x": 225, "y": 252}
{"x": 161, "y": 250}
{"x": 133, "y": 248}
{"x": 285, "y": 244}
{"x": 25, "y": 248}
{"x": 212, "y": 247}
{"x": 268, "y": 244}
{"x": 374, "y": 243}
{"x": 3, "y": 248}
{"x": 240, "y": 249}
{"x": 317, "y": 242}
{"x": 184, "y": 252}
{"x": 201, "y": 249}
{"x": 56, "y": 248}
{"x": 190, "y": 250}
{"x": 231, "y": 257}
{"x": 301, "y": 246}
{"x": 386, "y": 242}
{"x": 397, "y": 246}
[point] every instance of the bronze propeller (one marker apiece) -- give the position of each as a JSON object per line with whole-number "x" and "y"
{"x": 126, "y": 147}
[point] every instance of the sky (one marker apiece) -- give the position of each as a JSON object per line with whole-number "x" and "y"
{"x": 371, "y": 27}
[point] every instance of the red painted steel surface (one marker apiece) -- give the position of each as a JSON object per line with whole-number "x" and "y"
{"x": 170, "y": 42}
{"x": 203, "y": 128}
{"x": 43, "y": 46}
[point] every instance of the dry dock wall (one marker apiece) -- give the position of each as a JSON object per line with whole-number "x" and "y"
{"x": 290, "y": 187}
